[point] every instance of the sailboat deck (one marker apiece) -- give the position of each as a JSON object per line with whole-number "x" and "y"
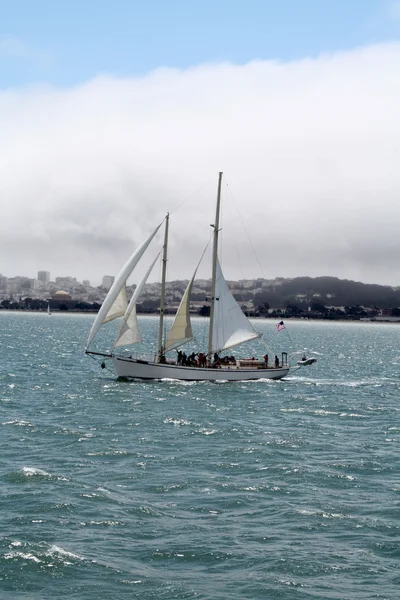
{"x": 247, "y": 364}
{"x": 133, "y": 368}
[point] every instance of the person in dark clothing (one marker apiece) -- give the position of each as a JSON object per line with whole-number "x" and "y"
{"x": 266, "y": 360}
{"x": 276, "y": 361}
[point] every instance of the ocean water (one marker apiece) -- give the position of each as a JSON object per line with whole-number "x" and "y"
{"x": 168, "y": 490}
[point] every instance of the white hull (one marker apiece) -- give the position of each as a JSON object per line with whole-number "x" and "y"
{"x": 131, "y": 368}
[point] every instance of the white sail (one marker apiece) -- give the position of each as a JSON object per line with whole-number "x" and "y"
{"x": 181, "y": 330}
{"x": 231, "y": 326}
{"x": 129, "y": 332}
{"x": 118, "y": 284}
{"x": 119, "y": 307}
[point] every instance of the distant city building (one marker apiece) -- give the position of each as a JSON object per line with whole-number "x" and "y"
{"x": 68, "y": 280}
{"x": 43, "y": 276}
{"x": 108, "y": 280}
{"x": 61, "y": 295}
{"x": 86, "y": 282}
{"x": 67, "y": 283}
{"x": 19, "y": 284}
{"x": 60, "y": 299}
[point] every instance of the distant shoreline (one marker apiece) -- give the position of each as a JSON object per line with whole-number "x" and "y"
{"x": 194, "y": 316}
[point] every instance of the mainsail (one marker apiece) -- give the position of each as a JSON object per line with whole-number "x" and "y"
{"x": 231, "y": 327}
{"x": 119, "y": 307}
{"x": 129, "y": 332}
{"x": 118, "y": 284}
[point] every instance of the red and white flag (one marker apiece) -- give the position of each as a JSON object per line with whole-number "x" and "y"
{"x": 280, "y": 326}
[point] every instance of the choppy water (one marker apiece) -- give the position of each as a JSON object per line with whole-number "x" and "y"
{"x": 286, "y": 490}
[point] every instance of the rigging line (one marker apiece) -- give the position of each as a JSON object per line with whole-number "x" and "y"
{"x": 189, "y": 197}
{"x": 268, "y": 348}
{"x": 158, "y": 313}
{"x": 198, "y": 265}
{"x": 204, "y": 330}
{"x": 202, "y": 256}
{"x": 103, "y": 363}
{"x": 164, "y": 334}
{"x": 205, "y": 249}
{"x": 238, "y": 255}
{"x": 244, "y": 227}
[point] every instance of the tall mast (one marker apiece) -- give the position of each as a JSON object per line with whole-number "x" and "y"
{"x": 214, "y": 264}
{"x": 162, "y": 300}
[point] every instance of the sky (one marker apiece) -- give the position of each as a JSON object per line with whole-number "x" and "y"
{"x": 112, "y": 114}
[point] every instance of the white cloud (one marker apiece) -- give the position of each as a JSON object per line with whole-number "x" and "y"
{"x": 310, "y": 150}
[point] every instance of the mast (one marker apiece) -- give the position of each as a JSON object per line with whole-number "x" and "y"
{"x": 214, "y": 264}
{"x": 163, "y": 276}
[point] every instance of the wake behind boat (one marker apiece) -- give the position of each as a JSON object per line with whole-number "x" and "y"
{"x": 228, "y": 327}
